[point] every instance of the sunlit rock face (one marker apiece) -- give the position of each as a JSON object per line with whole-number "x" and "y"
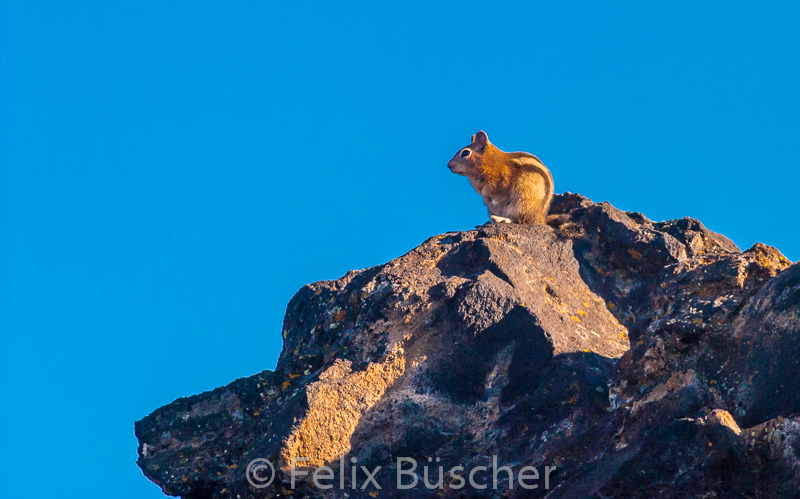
{"x": 619, "y": 357}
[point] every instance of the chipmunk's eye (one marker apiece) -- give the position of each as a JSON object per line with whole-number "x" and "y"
{"x": 465, "y": 153}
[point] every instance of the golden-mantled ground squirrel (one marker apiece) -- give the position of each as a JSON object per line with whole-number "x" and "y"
{"x": 515, "y": 186}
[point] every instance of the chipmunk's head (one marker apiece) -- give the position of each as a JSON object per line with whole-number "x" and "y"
{"x": 469, "y": 160}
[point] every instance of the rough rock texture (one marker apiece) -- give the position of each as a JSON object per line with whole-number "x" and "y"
{"x": 510, "y": 344}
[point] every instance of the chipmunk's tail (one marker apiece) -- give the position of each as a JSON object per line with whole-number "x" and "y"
{"x": 557, "y": 220}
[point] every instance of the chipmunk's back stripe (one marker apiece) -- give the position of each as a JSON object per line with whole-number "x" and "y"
{"x": 536, "y": 165}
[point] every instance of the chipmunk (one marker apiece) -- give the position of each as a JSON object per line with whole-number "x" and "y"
{"x": 516, "y": 186}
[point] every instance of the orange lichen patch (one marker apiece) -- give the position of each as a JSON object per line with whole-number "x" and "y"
{"x": 503, "y": 238}
{"x": 725, "y": 419}
{"x": 610, "y": 305}
{"x": 575, "y": 318}
{"x": 634, "y": 253}
{"x": 285, "y": 385}
{"x": 335, "y": 405}
{"x": 340, "y": 315}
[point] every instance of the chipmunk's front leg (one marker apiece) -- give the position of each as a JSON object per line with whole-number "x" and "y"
{"x": 500, "y": 220}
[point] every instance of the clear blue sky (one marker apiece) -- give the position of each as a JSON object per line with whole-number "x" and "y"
{"x": 172, "y": 172}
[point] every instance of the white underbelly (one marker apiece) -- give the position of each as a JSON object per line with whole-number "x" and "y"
{"x": 498, "y": 207}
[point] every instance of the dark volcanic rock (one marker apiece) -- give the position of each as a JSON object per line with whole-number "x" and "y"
{"x": 509, "y": 344}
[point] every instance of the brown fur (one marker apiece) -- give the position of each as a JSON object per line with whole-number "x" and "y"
{"x": 514, "y": 185}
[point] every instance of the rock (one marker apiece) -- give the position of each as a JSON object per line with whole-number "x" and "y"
{"x": 508, "y": 345}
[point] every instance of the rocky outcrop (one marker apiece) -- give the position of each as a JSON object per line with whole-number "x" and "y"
{"x": 619, "y": 357}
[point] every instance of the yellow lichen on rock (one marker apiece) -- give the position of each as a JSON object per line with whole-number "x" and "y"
{"x": 335, "y": 405}
{"x": 724, "y": 418}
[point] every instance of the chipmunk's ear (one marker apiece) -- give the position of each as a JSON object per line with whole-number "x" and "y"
{"x": 479, "y": 141}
